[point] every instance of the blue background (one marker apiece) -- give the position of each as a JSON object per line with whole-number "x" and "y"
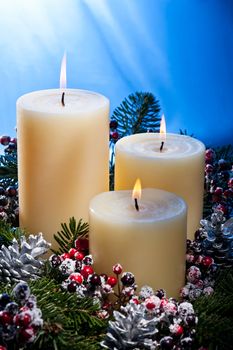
{"x": 180, "y": 50}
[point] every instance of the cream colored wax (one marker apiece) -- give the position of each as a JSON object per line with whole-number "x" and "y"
{"x": 63, "y": 156}
{"x": 179, "y": 168}
{"x": 150, "y": 242}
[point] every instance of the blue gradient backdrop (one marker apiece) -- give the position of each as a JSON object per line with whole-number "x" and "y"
{"x": 180, "y": 50}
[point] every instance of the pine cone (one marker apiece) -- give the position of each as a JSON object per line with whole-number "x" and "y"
{"x": 219, "y": 237}
{"x": 20, "y": 261}
{"x": 131, "y": 330}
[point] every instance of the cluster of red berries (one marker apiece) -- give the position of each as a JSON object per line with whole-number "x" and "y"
{"x": 79, "y": 277}
{"x": 200, "y": 271}
{"x": 19, "y": 321}
{"x": 169, "y": 324}
{"x": 219, "y": 183}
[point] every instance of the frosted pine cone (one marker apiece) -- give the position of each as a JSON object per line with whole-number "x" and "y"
{"x": 20, "y": 260}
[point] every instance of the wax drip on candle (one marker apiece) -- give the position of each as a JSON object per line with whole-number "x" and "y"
{"x": 137, "y": 193}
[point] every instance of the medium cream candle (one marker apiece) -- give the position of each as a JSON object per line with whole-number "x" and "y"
{"x": 149, "y": 242}
{"x": 178, "y": 168}
{"x": 63, "y": 156}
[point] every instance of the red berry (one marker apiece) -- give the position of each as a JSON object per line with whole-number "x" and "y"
{"x": 135, "y": 300}
{"x": 86, "y": 271}
{"x": 114, "y": 135}
{"x": 95, "y": 280}
{"x": 79, "y": 256}
{"x": 26, "y": 334}
{"x": 127, "y": 279}
{"x": 13, "y": 140}
{"x": 72, "y": 286}
{"x": 112, "y": 281}
{"x": 209, "y": 154}
{"x": 5, "y": 318}
{"x": 228, "y": 193}
{"x": 11, "y": 191}
{"x": 2, "y": 347}
{"x": 23, "y": 319}
{"x": 72, "y": 252}
{"x": 150, "y": 305}
{"x": 65, "y": 256}
{"x": 113, "y": 124}
{"x": 4, "y": 140}
{"x": 218, "y": 191}
{"x": 222, "y": 208}
{"x": 209, "y": 168}
{"x": 207, "y": 261}
{"x": 163, "y": 302}
{"x": 82, "y": 244}
{"x": 77, "y": 277}
{"x": 26, "y": 320}
{"x": 179, "y": 330}
{"x": 117, "y": 269}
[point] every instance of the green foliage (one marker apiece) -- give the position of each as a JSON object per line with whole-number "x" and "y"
{"x": 69, "y": 322}
{"x": 137, "y": 113}
{"x": 7, "y": 233}
{"x": 8, "y": 166}
{"x": 215, "y": 314}
{"x": 224, "y": 152}
{"x": 69, "y": 233}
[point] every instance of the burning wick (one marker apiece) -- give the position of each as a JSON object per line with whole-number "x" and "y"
{"x": 162, "y": 132}
{"x": 63, "y": 79}
{"x": 62, "y": 99}
{"x": 136, "y": 195}
{"x": 161, "y": 147}
{"x": 136, "y": 204}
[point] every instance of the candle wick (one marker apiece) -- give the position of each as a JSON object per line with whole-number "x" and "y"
{"x": 161, "y": 147}
{"x": 136, "y": 204}
{"x": 62, "y": 99}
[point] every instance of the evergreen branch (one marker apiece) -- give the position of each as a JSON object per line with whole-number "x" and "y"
{"x": 7, "y": 233}
{"x": 69, "y": 321}
{"x": 67, "y": 236}
{"x": 8, "y": 166}
{"x": 137, "y": 113}
{"x": 224, "y": 152}
{"x": 215, "y": 314}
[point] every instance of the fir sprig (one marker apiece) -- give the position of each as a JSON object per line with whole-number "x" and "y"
{"x": 69, "y": 322}
{"x": 215, "y": 314}
{"x": 8, "y": 166}
{"x": 137, "y": 113}
{"x": 67, "y": 236}
{"x": 7, "y": 233}
{"x": 224, "y": 152}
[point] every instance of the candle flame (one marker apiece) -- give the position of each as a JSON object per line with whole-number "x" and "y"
{"x": 163, "y": 128}
{"x": 63, "y": 72}
{"x": 137, "y": 190}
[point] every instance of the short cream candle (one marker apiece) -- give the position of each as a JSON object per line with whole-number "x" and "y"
{"x": 63, "y": 156}
{"x": 178, "y": 168}
{"x": 149, "y": 242}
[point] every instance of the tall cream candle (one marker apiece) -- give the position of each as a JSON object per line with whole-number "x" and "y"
{"x": 149, "y": 242}
{"x": 178, "y": 168}
{"x": 63, "y": 156}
